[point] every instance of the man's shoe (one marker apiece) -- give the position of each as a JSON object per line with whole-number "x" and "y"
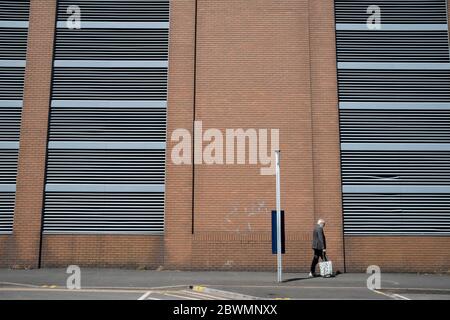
{"x": 311, "y": 275}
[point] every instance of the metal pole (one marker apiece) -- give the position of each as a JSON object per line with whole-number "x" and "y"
{"x": 277, "y": 171}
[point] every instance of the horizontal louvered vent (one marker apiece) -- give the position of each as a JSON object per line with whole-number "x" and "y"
{"x": 6, "y": 212}
{"x": 394, "y": 85}
{"x": 13, "y": 43}
{"x": 105, "y": 166}
{"x": 392, "y": 46}
{"x": 11, "y": 83}
{"x": 14, "y": 10}
{"x": 415, "y": 214}
{"x": 104, "y": 212}
{"x": 112, "y": 44}
{"x": 396, "y": 126}
{"x": 102, "y": 187}
{"x": 8, "y": 166}
{"x": 91, "y": 10}
{"x": 10, "y": 123}
{"x": 108, "y": 124}
{"x": 396, "y": 167}
{"x": 392, "y": 11}
{"x": 110, "y": 83}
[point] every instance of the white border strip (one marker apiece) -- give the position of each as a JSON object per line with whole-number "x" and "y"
{"x": 395, "y": 105}
{"x": 11, "y": 103}
{"x": 7, "y": 188}
{"x": 14, "y": 24}
{"x": 109, "y": 64}
{"x": 109, "y": 103}
{"x": 116, "y": 25}
{"x": 9, "y": 144}
{"x": 63, "y": 187}
{"x": 82, "y": 145}
{"x": 392, "y": 27}
{"x": 394, "y": 189}
{"x": 13, "y": 63}
{"x": 393, "y": 66}
{"x": 395, "y": 146}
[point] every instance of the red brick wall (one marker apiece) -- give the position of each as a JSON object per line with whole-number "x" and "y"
{"x": 325, "y": 126}
{"x": 254, "y": 70}
{"x": 398, "y": 254}
{"x": 131, "y": 251}
{"x": 259, "y": 64}
{"x": 5, "y": 251}
{"x": 178, "y": 196}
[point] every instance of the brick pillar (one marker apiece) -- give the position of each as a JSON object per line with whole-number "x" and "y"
{"x": 325, "y": 115}
{"x": 33, "y": 134}
{"x": 178, "y": 203}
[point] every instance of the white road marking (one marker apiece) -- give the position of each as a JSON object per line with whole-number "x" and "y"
{"x": 281, "y": 286}
{"x": 20, "y": 284}
{"x": 421, "y": 289}
{"x": 145, "y": 295}
{"x": 394, "y": 296}
{"x": 400, "y": 296}
{"x": 382, "y": 293}
{"x": 394, "y": 282}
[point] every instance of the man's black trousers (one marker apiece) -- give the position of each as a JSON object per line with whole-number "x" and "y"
{"x": 318, "y": 253}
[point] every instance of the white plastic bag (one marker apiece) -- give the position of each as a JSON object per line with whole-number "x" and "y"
{"x": 326, "y": 268}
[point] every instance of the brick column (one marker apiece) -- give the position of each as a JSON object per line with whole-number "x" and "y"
{"x": 178, "y": 202}
{"x": 325, "y": 132}
{"x": 33, "y": 134}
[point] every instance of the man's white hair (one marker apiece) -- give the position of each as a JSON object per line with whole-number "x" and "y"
{"x": 320, "y": 221}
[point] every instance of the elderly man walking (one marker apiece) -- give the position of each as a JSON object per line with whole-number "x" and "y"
{"x": 319, "y": 245}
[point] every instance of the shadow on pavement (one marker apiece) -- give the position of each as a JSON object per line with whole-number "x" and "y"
{"x": 295, "y": 279}
{"x": 315, "y": 277}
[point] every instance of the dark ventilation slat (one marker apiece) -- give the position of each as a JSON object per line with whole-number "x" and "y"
{"x": 120, "y": 11}
{"x": 6, "y": 212}
{"x": 11, "y": 83}
{"x": 112, "y": 44}
{"x": 394, "y": 85}
{"x": 393, "y": 11}
{"x": 13, "y": 43}
{"x": 392, "y": 46}
{"x": 110, "y": 83}
{"x": 10, "y": 123}
{"x": 395, "y": 126}
{"x": 108, "y": 124}
{"x": 14, "y": 10}
{"x": 8, "y": 166}
{"x": 106, "y": 166}
{"x": 403, "y": 214}
{"x": 104, "y": 212}
{"x": 396, "y": 167}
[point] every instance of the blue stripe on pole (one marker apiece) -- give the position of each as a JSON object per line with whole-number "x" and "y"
{"x": 274, "y": 232}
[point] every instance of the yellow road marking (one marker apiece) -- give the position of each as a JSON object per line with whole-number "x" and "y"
{"x": 198, "y": 288}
